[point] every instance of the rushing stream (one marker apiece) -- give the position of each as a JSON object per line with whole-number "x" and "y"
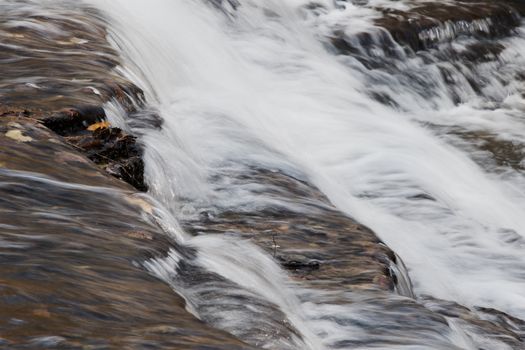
{"x": 425, "y": 149}
{"x": 258, "y": 85}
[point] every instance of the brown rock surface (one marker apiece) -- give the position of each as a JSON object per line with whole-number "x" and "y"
{"x": 72, "y": 238}
{"x": 428, "y": 23}
{"x": 58, "y": 59}
{"x": 72, "y": 241}
{"x": 317, "y": 243}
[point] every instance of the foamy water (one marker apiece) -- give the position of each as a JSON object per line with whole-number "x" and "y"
{"x": 258, "y": 86}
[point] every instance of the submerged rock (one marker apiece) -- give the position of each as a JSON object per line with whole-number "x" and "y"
{"x": 425, "y": 25}
{"x": 429, "y": 23}
{"x": 316, "y": 242}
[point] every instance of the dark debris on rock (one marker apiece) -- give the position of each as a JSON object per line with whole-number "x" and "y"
{"x": 115, "y": 151}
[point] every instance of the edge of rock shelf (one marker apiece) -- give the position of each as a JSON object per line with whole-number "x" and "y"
{"x": 73, "y": 233}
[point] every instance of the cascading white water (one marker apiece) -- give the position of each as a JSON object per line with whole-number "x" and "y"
{"x": 257, "y": 87}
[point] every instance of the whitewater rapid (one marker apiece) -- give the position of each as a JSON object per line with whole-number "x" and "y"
{"x": 259, "y": 86}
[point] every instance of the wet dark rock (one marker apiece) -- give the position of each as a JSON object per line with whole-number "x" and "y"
{"x": 46, "y": 72}
{"x": 388, "y": 319}
{"x": 130, "y": 170}
{"x": 384, "y": 99}
{"x": 430, "y": 23}
{"x": 518, "y": 5}
{"x": 316, "y": 242}
{"x": 493, "y": 324}
{"x": 504, "y": 320}
{"x": 504, "y": 153}
{"x": 220, "y": 3}
{"x": 427, "y": 25}
{"x": 363, "y": 46}
{"x": 480, "y": 52}
{"x": 143, "y": 119}
{"x": 116, "y": 152}
{"x": 228, "y": 7}
{"x": 298, "y": 263}
{"x": 74, "y": 120}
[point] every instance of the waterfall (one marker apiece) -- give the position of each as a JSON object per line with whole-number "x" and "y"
{"x": 258, "y": 84}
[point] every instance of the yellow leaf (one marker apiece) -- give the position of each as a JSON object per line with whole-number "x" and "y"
{"x": 101, "y": 125}
{"x": 18, "y": 136}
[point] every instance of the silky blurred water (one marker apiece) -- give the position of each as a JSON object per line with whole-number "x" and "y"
{"x": 257, "y": 84}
